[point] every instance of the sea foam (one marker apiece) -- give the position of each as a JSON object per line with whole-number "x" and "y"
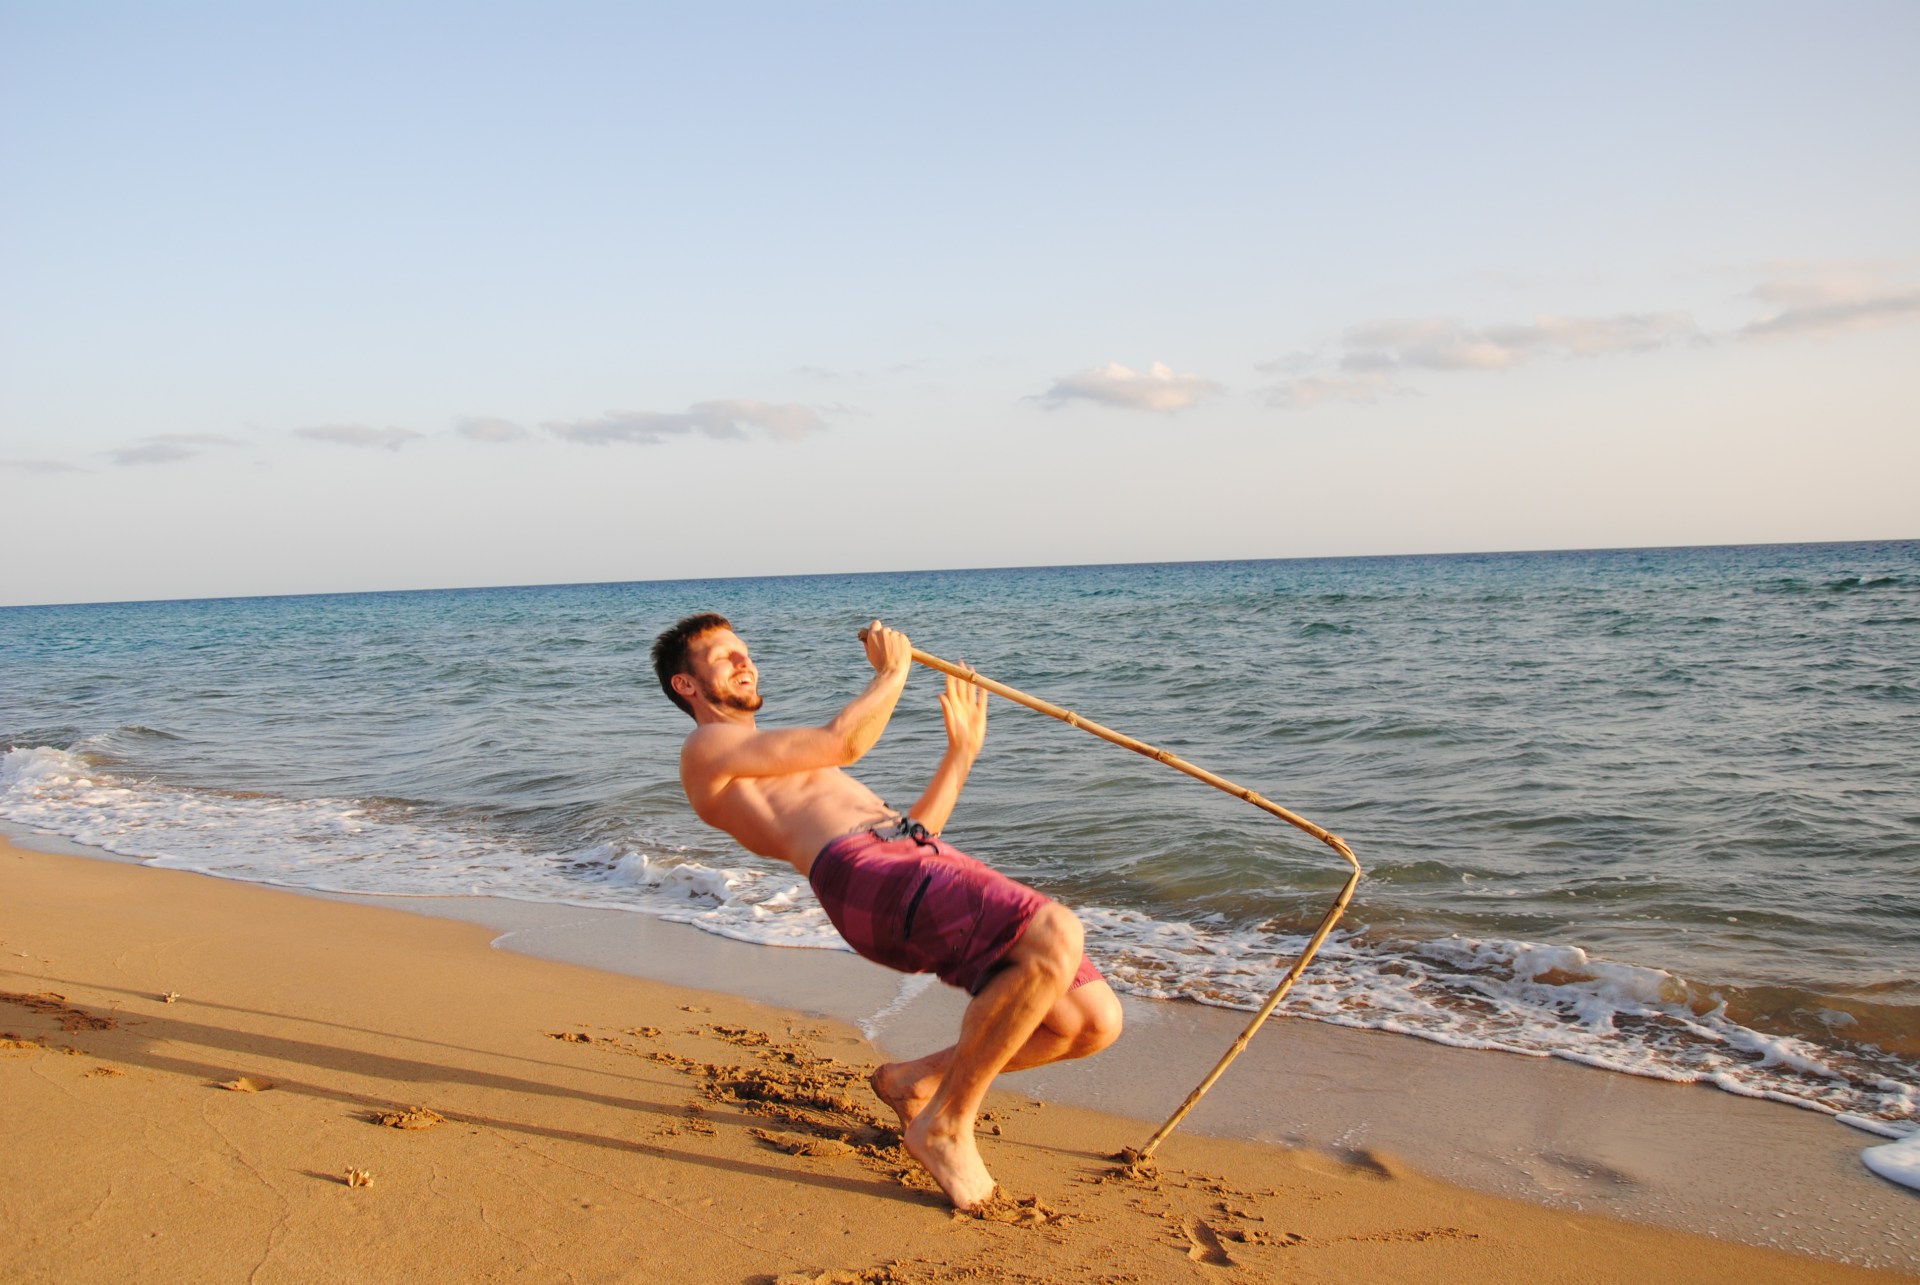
{"x": 1537, "y": 999}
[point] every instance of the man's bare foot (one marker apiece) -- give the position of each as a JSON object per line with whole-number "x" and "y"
{"x": 895, "y": 1085}
{"x": 954, "y": 1162}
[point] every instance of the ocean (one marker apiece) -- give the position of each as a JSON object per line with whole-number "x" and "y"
{"x": 1654, "y": 811}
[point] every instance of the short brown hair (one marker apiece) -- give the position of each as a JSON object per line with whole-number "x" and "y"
{"x": 670, "y": 651}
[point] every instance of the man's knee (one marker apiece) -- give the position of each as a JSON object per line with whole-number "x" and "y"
{"x": 1104, "y": 1018}
{"x": 1053, "y": 941}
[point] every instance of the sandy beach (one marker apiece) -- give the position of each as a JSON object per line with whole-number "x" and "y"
{"x": 212, "y": 1081}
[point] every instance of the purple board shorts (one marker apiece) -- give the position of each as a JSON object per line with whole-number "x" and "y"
{"x": 924, "y": 906}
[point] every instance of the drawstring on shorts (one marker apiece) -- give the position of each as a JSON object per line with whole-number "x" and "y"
{"x": 908, "y": 828}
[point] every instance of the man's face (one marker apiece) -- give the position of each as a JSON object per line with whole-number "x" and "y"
{"x": 723, "y": 672}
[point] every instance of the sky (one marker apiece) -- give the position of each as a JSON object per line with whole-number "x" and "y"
{"x": 306, "y": 298}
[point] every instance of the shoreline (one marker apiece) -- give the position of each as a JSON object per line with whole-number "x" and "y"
{"x": 1567, "y": 1140}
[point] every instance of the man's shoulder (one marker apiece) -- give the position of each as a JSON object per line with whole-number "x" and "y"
{"x": 709, "y": 738}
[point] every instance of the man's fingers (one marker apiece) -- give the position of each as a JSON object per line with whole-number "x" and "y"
{"x": 965, "y": 701}
{"x": 886, "y": 648}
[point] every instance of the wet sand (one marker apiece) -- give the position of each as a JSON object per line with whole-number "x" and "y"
{"x": 210, "y": 1080}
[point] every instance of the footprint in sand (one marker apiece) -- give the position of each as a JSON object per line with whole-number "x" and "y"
{"x": 72, "y": 1020}
{"x": 1021, "y": 1211}
{"x": 795, "y": 1144}
{"x": 1204, "y": 1246}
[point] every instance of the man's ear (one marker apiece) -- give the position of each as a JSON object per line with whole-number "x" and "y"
{"x": 684, "y": 684}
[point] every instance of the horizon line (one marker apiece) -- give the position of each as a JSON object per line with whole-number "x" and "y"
{"x": 908, "y": 571}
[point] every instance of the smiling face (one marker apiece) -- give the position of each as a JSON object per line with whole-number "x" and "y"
{"x": 720, "y": 671}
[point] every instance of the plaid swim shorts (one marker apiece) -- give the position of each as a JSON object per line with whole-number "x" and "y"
{"x": 917, "y": 904}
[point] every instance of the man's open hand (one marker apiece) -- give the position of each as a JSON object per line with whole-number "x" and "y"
{"x": 964, "y": 706}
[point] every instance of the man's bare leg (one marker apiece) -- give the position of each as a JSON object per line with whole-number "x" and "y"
{"x": 1083, "y": 1021}
{"x": 997, "y": 1024}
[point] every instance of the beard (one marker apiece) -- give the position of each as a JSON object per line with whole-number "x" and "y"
{"x": 747, "y": 704}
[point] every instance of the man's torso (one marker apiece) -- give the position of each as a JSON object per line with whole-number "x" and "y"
{"x": 790, "y": 817}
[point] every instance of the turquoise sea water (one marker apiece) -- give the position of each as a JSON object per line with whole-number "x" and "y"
{"x": 1651, "y": 810}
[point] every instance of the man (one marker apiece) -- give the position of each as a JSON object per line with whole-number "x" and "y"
{"x": 899, "y": 894}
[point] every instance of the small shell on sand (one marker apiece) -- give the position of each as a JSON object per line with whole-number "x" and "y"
{"x": 247, "y": 1084}
{"x": 358, "y": 1177}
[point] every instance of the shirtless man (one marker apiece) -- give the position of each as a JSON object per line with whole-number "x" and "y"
{"x": 899, "y": 894}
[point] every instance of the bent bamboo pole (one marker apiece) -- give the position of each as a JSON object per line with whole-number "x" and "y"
{"x": 1334, "y": 841}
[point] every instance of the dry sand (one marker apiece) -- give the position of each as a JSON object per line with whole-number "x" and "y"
{"x": 212, "y": 1081}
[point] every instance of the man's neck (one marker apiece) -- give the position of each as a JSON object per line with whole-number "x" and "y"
{"x": 707, "y": 715}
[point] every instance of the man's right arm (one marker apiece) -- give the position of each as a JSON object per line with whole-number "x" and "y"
{"x": 717, "y": 753}
{"x": 866, "y": 715}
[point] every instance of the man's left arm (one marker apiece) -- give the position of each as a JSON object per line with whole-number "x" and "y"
{"x": 964, "y": 707}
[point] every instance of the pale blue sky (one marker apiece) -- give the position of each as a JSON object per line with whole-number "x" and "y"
{"x": 302, "y": 298}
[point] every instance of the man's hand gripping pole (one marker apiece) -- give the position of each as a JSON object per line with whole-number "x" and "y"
{"x": 1320, "y": 933}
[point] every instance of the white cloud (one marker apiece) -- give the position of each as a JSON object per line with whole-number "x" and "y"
{"x": 734, "y": 419}
{"x": 1157, "y": 388}
{"x": 1294, "y": 363}
{"x": 1598, "y": 336}
{"x": 1364, "y": 363}
{"x": 1309, "y": 391}
{"x": 40, "y": 466}
{"x": 1431, "y": 344}
{"x": 1811, "y": 299}
{"x": 480, "y": 428}
{"x": 168, "y": 448}
{"x": 1805, "y": 299}
{"x": 1440, "y": 343}
{"x": 152, "y": 453}
{"x": 359, "y": 435}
